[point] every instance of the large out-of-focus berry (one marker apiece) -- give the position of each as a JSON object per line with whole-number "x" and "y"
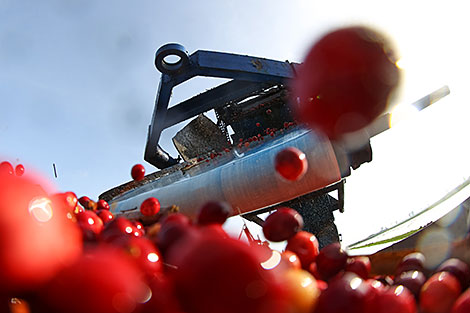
{"x": 214, "y": 212}
{"x": 345, "y": 81}
{"x": 102, "y": 280}
{"x": 439, "y": 293}
{"x": 37, "y": 238}
{"x": 224, "y": 275}
{"x": 282, "y": 224}
{"x": 459, "y": 269}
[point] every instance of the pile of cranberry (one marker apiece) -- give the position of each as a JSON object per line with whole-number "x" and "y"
{"x": 63, "y": 254}
{"x": 59, "y": 253}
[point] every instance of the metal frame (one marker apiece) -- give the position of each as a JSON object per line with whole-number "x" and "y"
{"x": 249, "y": 74}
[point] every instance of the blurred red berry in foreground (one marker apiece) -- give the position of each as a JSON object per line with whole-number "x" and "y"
{"x": 345, "y": 81}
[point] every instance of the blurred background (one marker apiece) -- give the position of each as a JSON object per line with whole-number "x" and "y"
{"x": 78, "y": 84}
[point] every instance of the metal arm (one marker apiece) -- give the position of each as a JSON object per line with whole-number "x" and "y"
{"x": 248, "y": 74}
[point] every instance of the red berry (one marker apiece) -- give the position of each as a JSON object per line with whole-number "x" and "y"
{"x": 413, "y": 280}
{"x": 118, "y": 227}
{"x": 19, "y": 170}
{"x": 346, "y": 293}
{"x": 305, "y": 246}
{"x": 395, "y": 300}
{"x": 238, "y": 282}
{"x": 214, "y": 212}
{"x": 84, "y": 201}
{"x": 105, "y": 215}
{"x": 462, "y": 305}
{"x": 345, "y": 81}
{"x": 258, "y": 124}
{"x": 282, "y": 224}
{"x": 6, "y": 167}
{"x": 411, "y": 262}
{"x": 102, "y": 205}
{"x": 150, "y": 207}
{"x": 103, "y": 280}
{"x": 90, "y": 223}
{"x": 291, "y": 163}
{"x": 359, "y": 265}
{"x": 138, "y": 172}
{"x": 331, "y": 260}
{"x": 459, "y": 269}
{"x": 439, "y": 293}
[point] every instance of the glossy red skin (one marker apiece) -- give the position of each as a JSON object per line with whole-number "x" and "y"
{"x": 291, "y": 163}
{"x": 84, "y": 201}
{"x": 305, "y": 246}
{"x": 103, "y": 280}
{"x": 345, "y": 81}
{"x": 143, "y": 252}
{"x": 282, "y": 224}
{"x": 346, "y": 293}
{"x": 90, "y": 224}
{"x": 291, "y": 259}
{"x": 459, "y": 269}
{"x": 105, "y": 215}
{"x": 413, "y": 280}
{"x": 19, "y": 170}
{"x": 359, "y": 265}
{"x": 150, "y": 207}
{"x": 331, "y": 260}
{"x": 6, "y": 167}
{"x": 118, "y": 227}
{"x": 102, "y": 205}
{"x": 439, "y": 293}
{"x": 138, "y": 172}
{"x": 139, "y": 226}
{"x": 33, "y": 247}
{"x": 411, "y": 262}
{"x": 171, "y": 232}
{"x": 462, "y": 305}
{"x": 224, "y": 275}
{"x": 397, "y": 299}
{"x": 68, "y": 200}
{"x": 214, "y": 212}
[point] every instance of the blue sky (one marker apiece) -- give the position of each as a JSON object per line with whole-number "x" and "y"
{"x": 77, "y": 80}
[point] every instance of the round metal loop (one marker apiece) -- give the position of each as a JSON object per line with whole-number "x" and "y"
{"x": 171, "y": 50}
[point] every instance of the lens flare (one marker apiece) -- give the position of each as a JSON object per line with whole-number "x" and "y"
{"x": 273, "y": 261}
{"x": 41, "y": 209}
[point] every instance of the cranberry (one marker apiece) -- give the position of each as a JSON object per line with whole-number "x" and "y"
{"x": 439, "y": 293}
{"x": 138, "y": 172}
{"x": 105, "y": 215}
{"x": 397, "y": 299}
{"x": 282, "y": 224}
{"x": 6, "y": 167}
{"x": 359, "y": 265}
{"x": 346, "y": 293}
{"x": 90, "y": 223}
{"x": 103, "y": 280}
{"x": 142, "y": 251}
{"x": 118, "y": 227}
{"x": 19, "y": 170}
{"x": 459, "y": 269}
{"x": 413, "y": 280}
{"x": 305, "y": 246}
{"x": 291, "y": 259}
{"x": 214, "y": 212}
{"x": 237, "y": 281}
{"x": 150, "y": 206}
{"x": 84, "y": 201}
{"x": 102, "y": 205}
{"x": 139, "y": 226}
{"x": 411, "y": 262}
{"x": 462, "y": 305}
{"x": 345, "y": 81}
{"x": 291, "y": 163}
{"x": 331, "y": 260}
